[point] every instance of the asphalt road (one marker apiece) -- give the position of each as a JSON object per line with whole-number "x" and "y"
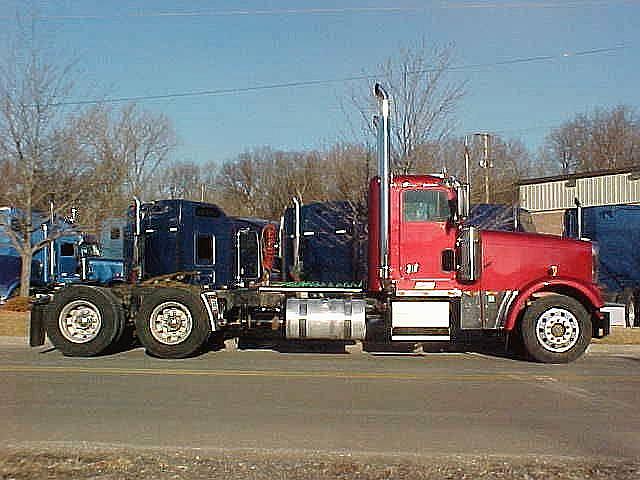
{"x": 435, "y": 404}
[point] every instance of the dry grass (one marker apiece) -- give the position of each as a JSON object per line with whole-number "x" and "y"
{"x": 26, "y": 464}
{"x": 621, "y": 336}
{"x": 13, "y": 324}
{"x": 17, "y": 304}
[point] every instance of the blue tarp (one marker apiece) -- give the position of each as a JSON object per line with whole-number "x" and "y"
{"x": 332, "y": 243}
{"x": 616, "y": 232}
{"x": 488, "y": 216}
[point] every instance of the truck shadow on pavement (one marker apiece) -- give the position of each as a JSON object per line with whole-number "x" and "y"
{"x": 493, "y": 348}
{"x": 481, "y": 346}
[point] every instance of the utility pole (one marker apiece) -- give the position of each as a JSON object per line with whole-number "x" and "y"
{"x": 486, "y": 162}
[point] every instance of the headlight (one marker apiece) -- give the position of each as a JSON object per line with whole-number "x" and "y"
{"x": 594, "y": 261}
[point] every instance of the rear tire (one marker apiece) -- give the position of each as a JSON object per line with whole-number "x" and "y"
{"x": 84, "y": 321}
{"x": 172, "y": 323}
{"x": 556, "y": 329}
{"x": 630, "y": 300}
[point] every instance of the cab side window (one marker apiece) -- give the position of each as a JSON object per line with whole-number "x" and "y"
{"x": 205, "y": 249}
{"x": 425, "y": 206}
{"x": 67, "y": 249}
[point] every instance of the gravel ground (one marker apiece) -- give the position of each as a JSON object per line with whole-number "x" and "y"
{"x": 120, "y": 463}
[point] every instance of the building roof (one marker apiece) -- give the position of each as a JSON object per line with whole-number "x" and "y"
{"x": 573, "y": 176}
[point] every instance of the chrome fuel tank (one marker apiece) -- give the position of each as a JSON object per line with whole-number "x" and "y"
{"x": 325, "y": 319}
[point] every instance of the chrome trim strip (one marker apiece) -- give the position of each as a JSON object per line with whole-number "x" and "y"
{"x": 505, "y": 306}
{"x": 212, "y": 318}
{"x": 310, "y": 289}
{"x": 451, "y": 293}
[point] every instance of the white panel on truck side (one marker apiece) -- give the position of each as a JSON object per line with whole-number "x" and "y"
{"x": 421, "y": 321}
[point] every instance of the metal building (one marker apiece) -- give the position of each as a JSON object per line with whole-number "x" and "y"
{"x": 548, "y": 198}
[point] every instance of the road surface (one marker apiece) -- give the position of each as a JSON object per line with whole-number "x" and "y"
{"x": 435, "y": 404}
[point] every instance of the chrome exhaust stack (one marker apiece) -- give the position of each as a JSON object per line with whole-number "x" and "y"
{"x": 384, "y": 153}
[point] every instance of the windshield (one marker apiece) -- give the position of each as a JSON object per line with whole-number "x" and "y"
{"x": 425, "y": 206}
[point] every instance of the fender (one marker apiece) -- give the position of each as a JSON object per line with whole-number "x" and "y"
{"x": 589, "y": 291}
{"x": 8, "y": 291}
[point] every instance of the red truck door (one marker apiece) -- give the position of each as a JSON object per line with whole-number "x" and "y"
{"x": 426, "y": 238}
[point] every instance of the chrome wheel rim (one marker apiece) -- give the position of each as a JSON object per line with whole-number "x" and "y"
{"x": 557, "y": 330}
{"x": 171, "y": 323}
{"x": 80, "y": 321}
{"x": 631, "y": 315}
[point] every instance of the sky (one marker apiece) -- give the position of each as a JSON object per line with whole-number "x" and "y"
{"x": 153, "y": 48}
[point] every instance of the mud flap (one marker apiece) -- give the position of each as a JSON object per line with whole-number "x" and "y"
{"x": 602, "y": 323}
{"x": 36, "y": 326}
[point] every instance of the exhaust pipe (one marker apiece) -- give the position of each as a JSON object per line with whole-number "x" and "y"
{"x": 579, "y": 216}
{"x": 137, "y": 261}
{"x": 296, "y": 238}
{"x": 384, "y": 144}
{"x": 52, "y": 246}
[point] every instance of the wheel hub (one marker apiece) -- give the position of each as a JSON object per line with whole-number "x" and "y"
{"x": 80, "y": 321}
{"x": 557, "y": 329}
{"x": 171, "y": 323}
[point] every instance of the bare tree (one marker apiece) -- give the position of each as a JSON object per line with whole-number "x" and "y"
{"x": 182, "y": 180}
{"x": 146, "y": 140}
{"x": 602, "y": 139}
{"x": 424, "y": 100}
{"x": 126, "y": 149}
{"x": 79, "y": 157}
{"x": 262, "y": 181}
{"x": 509, "y": 162}
{"x": 31, "y": 137}
{"x": 350, "y": 167}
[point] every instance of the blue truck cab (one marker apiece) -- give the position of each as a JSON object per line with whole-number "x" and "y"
{"x": 615, "y": 229}
{"x": 71, "y": 257}
{"x": 186, "y": 236}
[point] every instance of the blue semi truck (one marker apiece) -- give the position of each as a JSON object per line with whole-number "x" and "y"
{"x": 70, "y": 257}
{"x": 616, "y": 231}
{"x": 167, "y": 237}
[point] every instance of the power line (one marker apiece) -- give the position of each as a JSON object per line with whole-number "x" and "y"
{"x": 338, "y": 10}
{"x": 232, "y": 13}
{"x": 309, "y": 83}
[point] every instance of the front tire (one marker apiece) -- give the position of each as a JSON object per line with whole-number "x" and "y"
{"x": 84, "y": 321}
{"x": 556, "y": 329}
{"x": 172, "y": 323}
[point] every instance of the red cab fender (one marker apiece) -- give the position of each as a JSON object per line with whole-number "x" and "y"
{"x": 586, "y": 293}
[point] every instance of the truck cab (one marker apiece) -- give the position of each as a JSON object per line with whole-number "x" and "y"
{"x": 186, "y": 236}
{"x": 69, "y": 257}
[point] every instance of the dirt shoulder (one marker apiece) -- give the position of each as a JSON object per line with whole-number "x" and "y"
{"x": 117, "y": 463}
{"x": 620, "y": 336}
{"x": 13, "y": 324}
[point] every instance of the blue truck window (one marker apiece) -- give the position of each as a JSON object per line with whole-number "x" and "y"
{"x": 204, "y": 249}
{"x": 67, "y": 250}
{"x": 249, "y": 254}
{"x": 209, "y": 211}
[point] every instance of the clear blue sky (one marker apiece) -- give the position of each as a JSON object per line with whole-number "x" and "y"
{"x": 128, "y": 48}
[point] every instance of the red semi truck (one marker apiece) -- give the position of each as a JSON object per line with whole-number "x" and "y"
{"x": 430, "y": 278}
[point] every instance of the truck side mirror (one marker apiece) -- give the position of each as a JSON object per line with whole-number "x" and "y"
{"x": 462, "y": 194}
{"x": 469, "y": 255}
